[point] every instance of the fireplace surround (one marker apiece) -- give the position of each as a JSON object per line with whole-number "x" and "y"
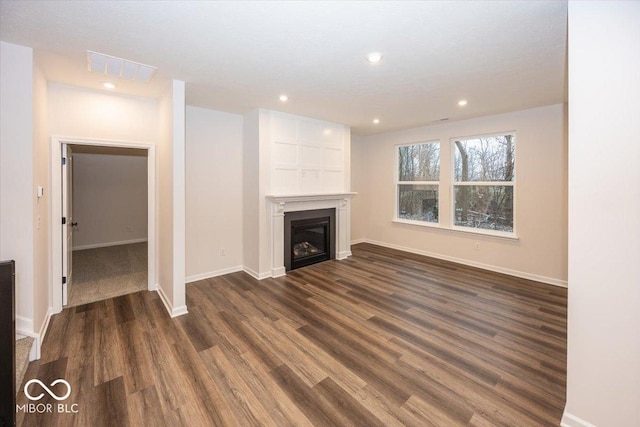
{"x": 279, "y": 205}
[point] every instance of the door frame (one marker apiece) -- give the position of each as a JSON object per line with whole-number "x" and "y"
{"x": 67, "y": 226}
{"x": 55, "y": 295}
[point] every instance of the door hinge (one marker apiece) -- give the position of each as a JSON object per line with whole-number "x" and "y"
{"x": 64, "y": 220}
{"x": 64, "y": 279}
{"x": 64, "y": 160}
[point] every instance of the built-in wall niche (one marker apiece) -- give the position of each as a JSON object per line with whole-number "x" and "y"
{"x": 307, "y": 156}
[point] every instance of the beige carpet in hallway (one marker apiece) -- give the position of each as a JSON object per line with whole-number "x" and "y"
{"x": 108, "y": 272}
{"x": 23, "y": 348}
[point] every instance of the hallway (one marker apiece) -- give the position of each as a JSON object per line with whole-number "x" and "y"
{"x": 108, "y": 272}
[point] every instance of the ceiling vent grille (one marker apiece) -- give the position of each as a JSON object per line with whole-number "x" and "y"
{"x": 118, "y": 67}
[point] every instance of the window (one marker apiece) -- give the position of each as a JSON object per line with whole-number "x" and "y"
{"x": 418, "y": 176}
{"x": 483, "y": 187}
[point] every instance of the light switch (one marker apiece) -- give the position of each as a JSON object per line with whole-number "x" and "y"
{"x": 40, "y": 191}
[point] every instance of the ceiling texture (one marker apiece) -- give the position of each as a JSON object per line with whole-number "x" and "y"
{"x": 236, "y": 56}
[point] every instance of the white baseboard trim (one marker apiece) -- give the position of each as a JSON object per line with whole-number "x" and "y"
{"x": 255, "y": 274}
{"x": 570, "y": 420}
{"x": 107, "y": 244}
{"x": 24, "y": 326}
{"x": 343, "y": 255}
{"x": 43, "y": 331}
{"x": 180, "y": 311}
{"x": 510, "y": 272}
{"x": 164, "y": 299}
{"x": 278, "y": 272}
{"x": 173, "y": 311}
{"x": 355, "y": 242}
{"x": 216, "y": 273}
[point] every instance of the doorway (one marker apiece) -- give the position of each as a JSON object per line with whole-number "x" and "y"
{"x": 141, "y": 258}
{"x": 106, "y": 203}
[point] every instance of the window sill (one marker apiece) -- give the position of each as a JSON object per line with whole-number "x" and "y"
{"x": 474, "y": 231}
{"x": 419, "y": 223}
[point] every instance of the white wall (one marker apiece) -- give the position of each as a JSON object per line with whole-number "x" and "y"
{"x": 109, "y": 199}
{"x": 603, "y": 380}
{"x": 165, "y": 199}
{"x": 359, "y": 185}
{"x": 250, "y": 193}
{"x": 41, "y": 206}
{"x": 17, "y": 191}
{"x": 178, "y": 148}
{"x": 171, "y": 199}
{"x": 214, "y": 193}
{"x": 87, "y": 113}
{"x": 540, "y": 202}
{"x": 256, "y": 163}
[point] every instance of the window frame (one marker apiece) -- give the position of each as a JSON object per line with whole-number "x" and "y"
{"x": 508, "y": 234}
{"x": 397, "y": 183}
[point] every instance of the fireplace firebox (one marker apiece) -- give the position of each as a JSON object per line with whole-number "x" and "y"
{"x": 309, "y": 237}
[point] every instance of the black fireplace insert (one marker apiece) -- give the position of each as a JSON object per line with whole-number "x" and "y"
{"x": 309, "y": 237}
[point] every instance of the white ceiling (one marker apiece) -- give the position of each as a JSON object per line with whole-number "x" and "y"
{"x": 236, "y": 56}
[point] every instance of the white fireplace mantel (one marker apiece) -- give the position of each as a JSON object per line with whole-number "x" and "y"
{"x": 290, "y": 198}
{"x": 279, "y": 204}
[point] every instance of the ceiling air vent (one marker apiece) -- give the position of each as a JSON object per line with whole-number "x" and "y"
{"x": 118, "y": 67}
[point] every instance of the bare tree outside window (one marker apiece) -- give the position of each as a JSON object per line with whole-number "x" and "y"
{"x": 420, "y": 162}
{"x": 418, "y": 180}
{"x": 484, "y": 173}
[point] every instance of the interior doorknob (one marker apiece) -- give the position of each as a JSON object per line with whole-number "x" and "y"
{"x": 74, "y": 224}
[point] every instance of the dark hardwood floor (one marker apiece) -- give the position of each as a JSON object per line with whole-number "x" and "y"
{"x": 384, "y": 338}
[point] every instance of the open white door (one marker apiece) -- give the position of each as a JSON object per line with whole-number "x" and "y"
{"x": 67, "y": 219}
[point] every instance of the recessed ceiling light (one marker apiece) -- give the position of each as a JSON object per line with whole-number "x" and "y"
{"x": 376, "y": 121}
{"x": 374, "y": 57}
{"x": 462, "y": 102}
{"x": 284, "y": 98}
{"x": 109, "y": 85}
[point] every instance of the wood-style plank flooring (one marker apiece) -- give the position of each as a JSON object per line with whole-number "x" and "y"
{"x": 384, "y": 338}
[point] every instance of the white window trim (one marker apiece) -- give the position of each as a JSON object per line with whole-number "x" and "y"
{"x": 397, "y": 183}
{"x": 419, "y": 223}
{"x": 505, "y": 234}
{"x": 485, "y": 183}
{"x": 458, "y": 229}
